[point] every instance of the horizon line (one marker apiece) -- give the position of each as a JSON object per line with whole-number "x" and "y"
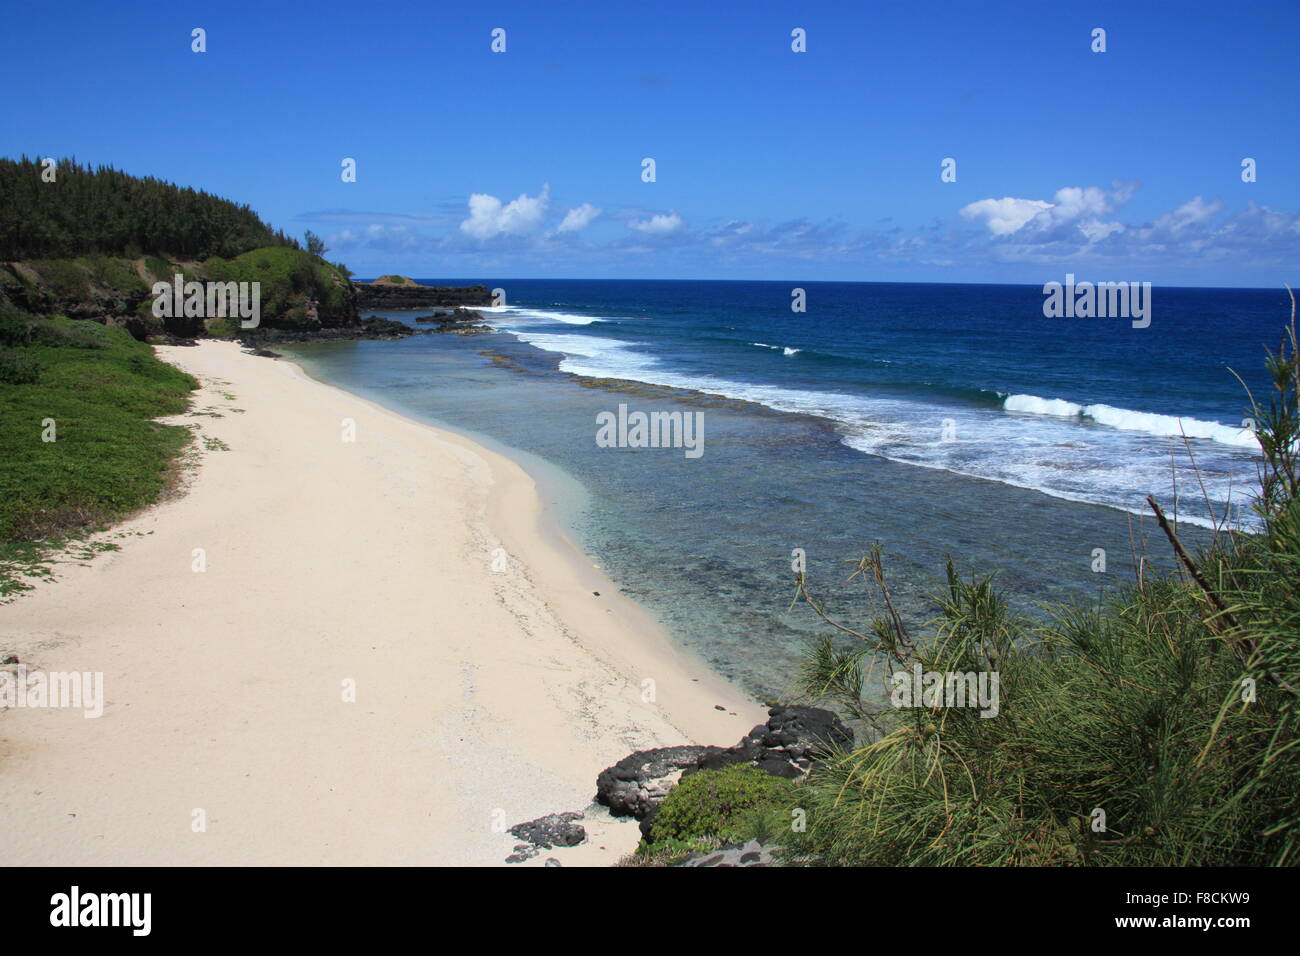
{"x": 1028, "y": 285}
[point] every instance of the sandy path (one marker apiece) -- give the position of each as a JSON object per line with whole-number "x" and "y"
{"x": 482, "y": 698}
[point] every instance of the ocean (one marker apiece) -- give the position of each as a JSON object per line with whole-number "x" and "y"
{"x": 937, "y": 420}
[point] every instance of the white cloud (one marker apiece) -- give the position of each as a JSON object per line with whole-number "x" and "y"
{"x": 489, "y": 217}
{"x": 1077, "y": 225}
{"x": 1191, "y": 213}
{"x": 657, "y": 225}
{"x": 1096, "y": 230}
{"x": 392, "y": 238}
{"x": 578, "y": 218}
{"x": 1073, "y": 202}
{"x": 1263, "y": 223}
{"x": 1004, "y": 216}
{"x": 1072, "y": 207}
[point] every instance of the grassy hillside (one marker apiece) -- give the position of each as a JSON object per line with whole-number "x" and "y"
{"x": 89, "y": 243}
{"x": 299, "y": 290}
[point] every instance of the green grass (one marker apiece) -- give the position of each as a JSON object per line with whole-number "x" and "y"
{"x": 118, "y": 274}
{"x": 160, "y": 270}
{"x": 66, "y": 278}
{"x": 101, "y": 389}
{"x": 223, "y": 328}
{"x": 669, "y": 852}
{"x": 18, "y": 368}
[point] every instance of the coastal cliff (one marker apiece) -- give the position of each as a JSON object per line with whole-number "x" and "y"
{"x": 92, "y": 243}
{"x": 298, "y": 291}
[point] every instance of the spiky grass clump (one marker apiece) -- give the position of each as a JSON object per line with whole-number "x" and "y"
{"x": 1157, "y": 728}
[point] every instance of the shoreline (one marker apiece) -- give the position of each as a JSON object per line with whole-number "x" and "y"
{"x": 483, "y": 699}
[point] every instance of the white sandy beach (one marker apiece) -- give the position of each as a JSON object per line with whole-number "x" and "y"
{"x": 482, "y": 699}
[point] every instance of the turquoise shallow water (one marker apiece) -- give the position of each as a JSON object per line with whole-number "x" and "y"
{"x": 705, "y": 543}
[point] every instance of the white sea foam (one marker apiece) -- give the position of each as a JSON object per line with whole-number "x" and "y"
{"x": 1048, "y": 447}
{"x": 1168, "y": 425}
{"x": 1165, "y": 426}
{"x": 1042, "y": 406}
{"x": 590, "y": 346}
{"x": 513, "y": 315}
{"x": 785, "y": 350}
{"x": 592, "y": 356}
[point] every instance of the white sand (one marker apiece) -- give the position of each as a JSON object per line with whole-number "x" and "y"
{"x": 482, "y": 699}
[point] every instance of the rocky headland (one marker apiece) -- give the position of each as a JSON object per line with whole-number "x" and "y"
{"x": 390, "y": 293}
{"x": 305, "y": 299}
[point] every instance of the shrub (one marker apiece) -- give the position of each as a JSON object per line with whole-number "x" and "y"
{"x": 160, "y": 270}
{"x": 117, "y": 274}
{"x": 66, "y": 333}
{"x": 66, "y": 278}
{"x": 223, "y": 328}
{"x": 13, "y": 326}
{"x": 17, "y": 368}
{"x": 289, "y": 277}
{"x": 719, "y": 803}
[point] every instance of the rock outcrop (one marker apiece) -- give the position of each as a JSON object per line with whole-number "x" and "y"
{"x": 544, "y": 833}
{"x": 456, "y": 322}
{"x": 752, "y": 853}
{"x": 383, "y": 295}
{"x": 371, "y": 327}
{"x": 638, "y": 783}
{"x": 555, "y": 829}
{"x": 297, "y": 292}
{"x": 788, "y": 745}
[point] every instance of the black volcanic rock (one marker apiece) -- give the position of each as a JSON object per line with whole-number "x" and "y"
{"x": 639, "y": 781}
{"x": 805, "y": 732}
{"x": 458, "y": 321}
{"x": 448, "y": 318}
{"x": 788, "y": 745}
{"x": 371, "y": 295}
{"x": 376, "y": 327}
{"x": 752, "y": 853}
{"x": 556, "y": 829}
{"x": 371, "y": 327}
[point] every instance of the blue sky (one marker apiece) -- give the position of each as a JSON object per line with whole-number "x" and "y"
{"x": 770, "y": 163}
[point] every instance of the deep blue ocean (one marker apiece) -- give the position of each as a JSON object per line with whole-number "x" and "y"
{"x": 936, "y": 419}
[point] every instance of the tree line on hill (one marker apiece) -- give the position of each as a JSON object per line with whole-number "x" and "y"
{"x": 68, "y": 209}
